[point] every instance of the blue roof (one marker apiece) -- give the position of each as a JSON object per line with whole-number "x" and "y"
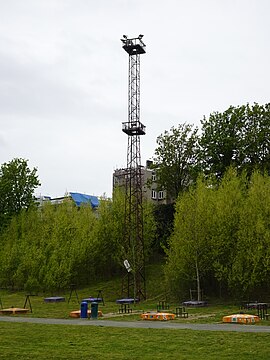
{"x": 84, "y": 199}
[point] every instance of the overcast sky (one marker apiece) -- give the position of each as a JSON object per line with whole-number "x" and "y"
{"x": 64, "y": 77}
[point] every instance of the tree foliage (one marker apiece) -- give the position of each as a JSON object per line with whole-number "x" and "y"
{"x": 164, "y": 216}
{"x": 228, "y": 201}
{"x": 251, "y": 266}
{"x": 188, "y": 254}
{"x": 17, "y": 185}
{"x": 221, "y": 237}
{"x": 175, "y": 158}
{"x": 239, "y": 137}
{"x": 55, "y": 245}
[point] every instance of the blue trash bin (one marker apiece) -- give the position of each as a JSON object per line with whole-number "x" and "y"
{"x": 94, "y": 310}
{"x": 84, "y": 309}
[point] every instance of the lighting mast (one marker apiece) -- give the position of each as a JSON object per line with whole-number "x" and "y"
{"x": 133, "y": 240}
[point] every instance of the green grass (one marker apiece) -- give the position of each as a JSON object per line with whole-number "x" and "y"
{"x": 36, "y": 341}
{"x": 111, "y": 291}
{"x": 31, "y": 341}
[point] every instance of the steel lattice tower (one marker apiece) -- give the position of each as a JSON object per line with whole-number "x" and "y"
{"x": 133, "y": 228}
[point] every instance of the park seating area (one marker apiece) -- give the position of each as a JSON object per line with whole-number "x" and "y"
{"x": 257, "y": 307}
{"x": 69, "y": 304}
{"x": 178, "y": 311}
{"x": 125, "y": 305}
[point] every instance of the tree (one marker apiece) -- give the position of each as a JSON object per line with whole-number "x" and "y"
{"x": 175, "y": 159}
{"x": 257, "y": 139}
{"x": 53, "y": 246}
{"x": 164, "y": 216}
{"x": 189, "y": 255}
{"x": 237, "y": 137}
{"x": 251, "y": 266}
{"x": 17, "y": 185}
{"x": 228, "y": 199}
{"x": 221, "y": 236}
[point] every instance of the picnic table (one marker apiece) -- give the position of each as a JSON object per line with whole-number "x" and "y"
{"x": 94, "y": 299}
{"x": 194, "y": 303}
{"x": 54, "y": 299}
{"x": 98, "y": 299}
{"x": 125, "y": 304}
{"x": 180, "y": 311}
{"x": 261, "y": 308}
{"x": 162, "y": 305}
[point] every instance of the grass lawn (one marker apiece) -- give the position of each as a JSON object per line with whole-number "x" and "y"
{"x": 210, "y": 314}
{"x": 36, "y": 341}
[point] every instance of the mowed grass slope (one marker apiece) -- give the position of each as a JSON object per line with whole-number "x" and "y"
{"x": 111, "y": 290}
{"x": 38, "y": 341}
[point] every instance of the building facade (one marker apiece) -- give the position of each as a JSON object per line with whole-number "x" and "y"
{"x": 150, "y": 189}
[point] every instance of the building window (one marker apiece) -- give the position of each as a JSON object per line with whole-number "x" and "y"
{"x": 154, "y": 176}
{"x": 161, "y": 195}
{"x": 154, "y": 194}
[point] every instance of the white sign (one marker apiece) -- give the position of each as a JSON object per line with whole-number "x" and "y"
{"x": 127, "y": 266}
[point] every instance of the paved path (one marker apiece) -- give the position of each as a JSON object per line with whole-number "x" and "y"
{"x": 140, "y": 324}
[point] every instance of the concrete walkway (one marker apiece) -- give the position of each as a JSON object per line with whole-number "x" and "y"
{"x": 140, "y": 324}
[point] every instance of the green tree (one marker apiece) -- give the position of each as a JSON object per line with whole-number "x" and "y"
{"x": 164, "y": 217}
{"x": 251, "y": 265}
{"x": 108, "y": 235}
{"x": 10, "y": 254}
{"x": 189, "y": 254}
{"x": 238, "y": 137}
{"x": 175, "y": 159}
{"x": 228, "y": 201}
{"x": 257, "y": 139}
{"x": 17, "y": 185}
{"x": 49, "y": 247}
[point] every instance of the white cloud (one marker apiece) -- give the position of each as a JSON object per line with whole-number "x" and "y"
{"x": 63, "y": 77}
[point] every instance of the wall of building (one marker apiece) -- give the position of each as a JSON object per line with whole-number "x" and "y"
{"x": 149, "y": 184}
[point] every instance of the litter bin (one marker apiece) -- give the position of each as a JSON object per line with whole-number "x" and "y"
{"x": 94, "y": 310}
{"x": 84, "y": 309}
